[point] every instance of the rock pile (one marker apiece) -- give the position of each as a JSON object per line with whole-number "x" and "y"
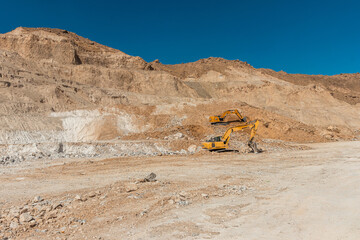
{"x": 39, "y": 214}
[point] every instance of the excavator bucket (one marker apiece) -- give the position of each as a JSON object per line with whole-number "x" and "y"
{"x": 254, "y": 147}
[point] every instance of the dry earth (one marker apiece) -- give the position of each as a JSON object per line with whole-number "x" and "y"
{"x": 306, "y": 194}
{"x": 82, "y": 125}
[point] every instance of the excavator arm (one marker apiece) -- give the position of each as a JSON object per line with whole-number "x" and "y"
{"x": 233, "y": 129}
{"x": 221, "y": 118}
{"x": 251, "y": 144}
{"x": 253, "y": 129}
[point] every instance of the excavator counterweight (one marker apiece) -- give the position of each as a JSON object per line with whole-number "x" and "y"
{"x": 221, "y": 118}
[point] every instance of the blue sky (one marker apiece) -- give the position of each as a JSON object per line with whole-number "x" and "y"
{"x": 312, "y": 37}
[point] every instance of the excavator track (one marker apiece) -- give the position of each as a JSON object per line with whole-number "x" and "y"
{"x": 224, "y": 150}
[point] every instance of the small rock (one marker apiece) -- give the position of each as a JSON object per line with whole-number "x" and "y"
{"x": 57, "y": 205}
{"x": 50, "y": 215}
{"x": 183, "y": 151}
{"x": 242, "y": 188}
{"x": 134, "y": 196}
{"x": 37, "y": 199}
{"x": 80, "y": 198}
{"x": 204, "y": 195}
{"x": 178, "y": 135}
{"x": 183, "y": 195}
{"x": 24, "y": 209}
{"x": 32, "y": 223}
{"x": 14, "y": 212}
{"x": 25, "y": 217}
{"x": 91, "y": 194}
{"x": 41, "y": 213}
{"x": 171, "y": 201}
{"x": 14, "y": 225}
{"x": 192, "y": 149}
{"x": 183, "y": 203}
{"x": 61, "y": 148}
{"x": 143, "y": 213}
{"x": 333, "y": 129}
{"x": 130, "y": 187}
{"x": 81, "y": 221}
{"x": 150, "y": 178}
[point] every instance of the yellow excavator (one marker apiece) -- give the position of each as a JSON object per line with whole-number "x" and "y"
{"x": 221, "y": 143}
{"x": 221, "y": 118}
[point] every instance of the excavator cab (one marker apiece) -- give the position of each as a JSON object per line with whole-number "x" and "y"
{"x": 214, "y": 139}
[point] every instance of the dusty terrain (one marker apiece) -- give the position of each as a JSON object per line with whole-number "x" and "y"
{"x": 306, "y": 194}
{"x": 82, "y": 125}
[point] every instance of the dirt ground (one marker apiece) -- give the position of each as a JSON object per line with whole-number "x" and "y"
{"x": 299, "y": 194}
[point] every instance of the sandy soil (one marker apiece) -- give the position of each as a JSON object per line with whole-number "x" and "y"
{"x": 307, "y": 194}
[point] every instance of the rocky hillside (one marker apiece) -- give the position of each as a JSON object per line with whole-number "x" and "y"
{"x": 58, "y": 87}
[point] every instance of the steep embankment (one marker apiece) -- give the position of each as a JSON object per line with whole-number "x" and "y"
{"x": 344, "y": 87}
{"x": 313, "y": 100}
{"x": 57, "y": 87}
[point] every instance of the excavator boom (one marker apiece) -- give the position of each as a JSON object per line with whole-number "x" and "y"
{"x": 221, "y": 118}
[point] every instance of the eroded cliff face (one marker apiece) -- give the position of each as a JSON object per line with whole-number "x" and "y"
{"x": 57, "y": 87}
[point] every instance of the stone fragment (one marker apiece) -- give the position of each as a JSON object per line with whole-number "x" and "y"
{"x": 92, "y": 194}
{"x": 14, "y": 225}
{"x": 204, "y": 195}
{"x": 130, "y": 187}
{"x": 24, "y": 209}
{"x": 150, "y": 178}
{"x": 14, "y": 212}
{"x": 51, "y": 215}
{"x": 57, "y": 205}
{"x": 178, "y": 135}
{"x": 37, "y": 199}
{"x": 192, "y": 149}
{"x": 25, "y": 217}
{"x": 32, "y": 223}
{"x": 80, "y": 198}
